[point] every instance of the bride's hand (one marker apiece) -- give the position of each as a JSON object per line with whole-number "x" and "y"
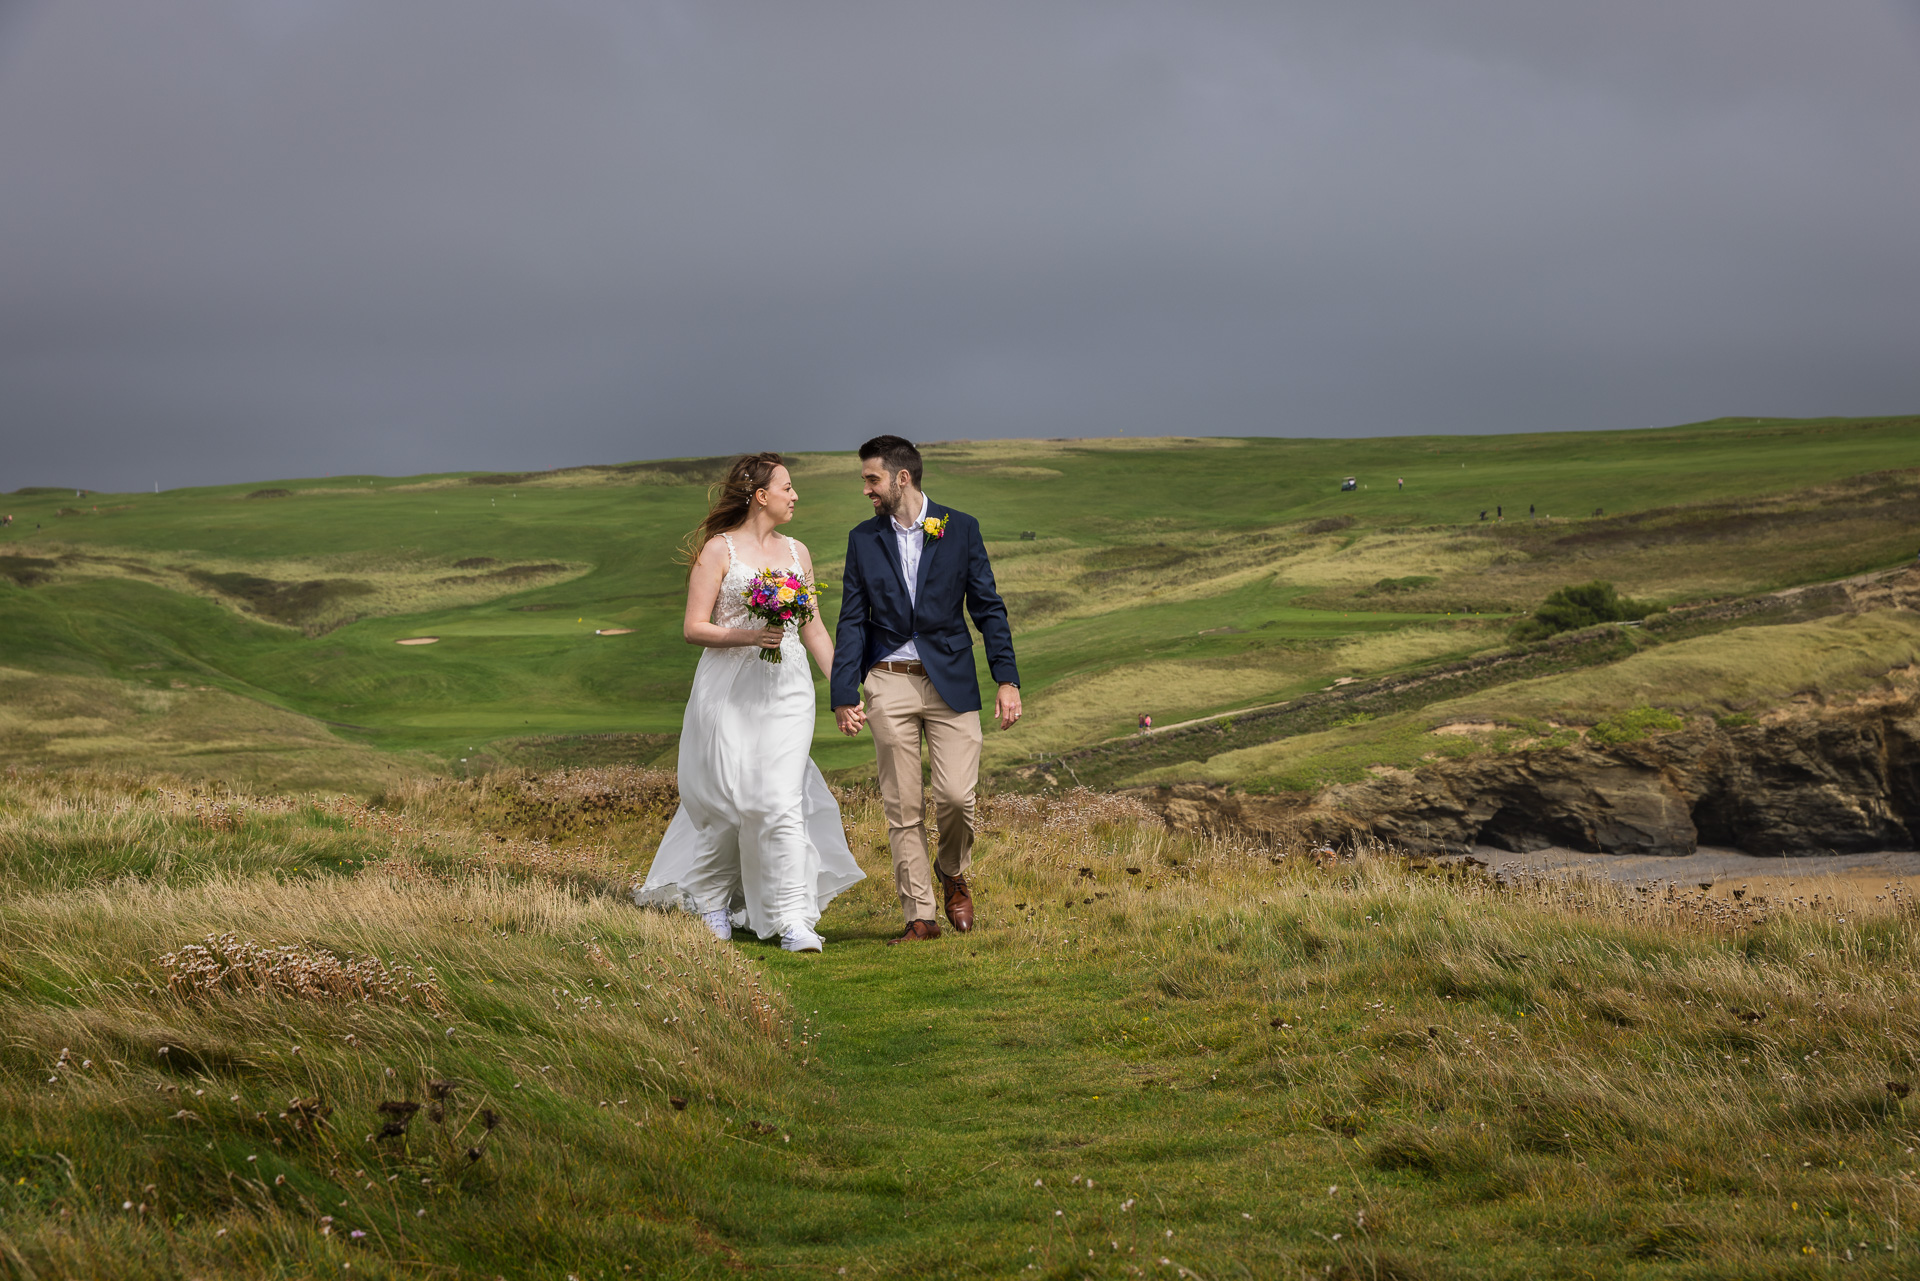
{"x": 769, "y": 637}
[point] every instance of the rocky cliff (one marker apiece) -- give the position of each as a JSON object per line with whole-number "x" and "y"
{"x": 1806, "y": 780}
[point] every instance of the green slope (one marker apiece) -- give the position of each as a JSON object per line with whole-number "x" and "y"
{"x": 1179, "y": 576}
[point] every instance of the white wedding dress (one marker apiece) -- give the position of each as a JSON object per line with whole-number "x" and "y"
{"x": 757, "y": 833}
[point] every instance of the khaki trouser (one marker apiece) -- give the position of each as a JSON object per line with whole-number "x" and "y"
{"x": 903, "y": 709}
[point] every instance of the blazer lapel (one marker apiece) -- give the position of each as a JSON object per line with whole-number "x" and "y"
{"x": 889, "y": 549}
{"x": 934, "y": 512}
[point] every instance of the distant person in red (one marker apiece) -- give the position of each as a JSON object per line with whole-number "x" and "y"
{"x": 1146, "y": 722}
{"x": 1400, "y": 482}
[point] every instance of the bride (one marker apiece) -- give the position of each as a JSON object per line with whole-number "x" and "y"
{"x": 757, "y": 841}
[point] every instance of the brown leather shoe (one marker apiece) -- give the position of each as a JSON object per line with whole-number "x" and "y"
{"x": 917, "y": 930}
{"x": 959, "y": 901}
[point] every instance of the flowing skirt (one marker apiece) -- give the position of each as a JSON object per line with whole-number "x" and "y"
{"x": 758, "y": 832}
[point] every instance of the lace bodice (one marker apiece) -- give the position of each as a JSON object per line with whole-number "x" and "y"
{"x": 730, "y": 609}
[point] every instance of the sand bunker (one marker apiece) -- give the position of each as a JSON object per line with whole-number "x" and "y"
{"x": 614, "y": 631}
{"x": 1782, "y": 877}
{"x": 418, "y": 640}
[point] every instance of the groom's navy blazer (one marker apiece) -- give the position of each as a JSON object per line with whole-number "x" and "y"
{"x": 877, "y": 617}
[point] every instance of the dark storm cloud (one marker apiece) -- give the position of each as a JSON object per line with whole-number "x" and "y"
{"x": 251, "y": 238}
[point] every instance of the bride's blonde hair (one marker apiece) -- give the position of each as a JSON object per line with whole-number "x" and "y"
{"x": 730, "y": 500}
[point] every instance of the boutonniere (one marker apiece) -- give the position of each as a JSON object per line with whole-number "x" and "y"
{"x": 935, "y": 530}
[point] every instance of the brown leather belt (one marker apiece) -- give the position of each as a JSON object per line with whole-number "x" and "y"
{"x": 905, "y": 669}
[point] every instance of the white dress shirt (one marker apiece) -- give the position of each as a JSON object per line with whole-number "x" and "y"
{"x": 911, "y": 540}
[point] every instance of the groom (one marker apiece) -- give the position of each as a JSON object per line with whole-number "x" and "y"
{"x": 911, "y": 571}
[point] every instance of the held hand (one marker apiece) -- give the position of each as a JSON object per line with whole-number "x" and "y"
{"x": 769, "y": 637}
{"x": 850, "y": 719}
{"x": 1006, "y": 705}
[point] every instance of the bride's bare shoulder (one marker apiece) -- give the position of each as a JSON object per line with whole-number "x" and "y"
{"x": 713, "y": 553}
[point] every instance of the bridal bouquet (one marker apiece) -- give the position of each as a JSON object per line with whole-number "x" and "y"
{"x": 777, "y": 598}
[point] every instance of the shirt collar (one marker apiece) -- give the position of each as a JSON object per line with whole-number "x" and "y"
{"x": 925, "y": 503}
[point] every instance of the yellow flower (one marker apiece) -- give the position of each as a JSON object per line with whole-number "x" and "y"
{"x": 786, "y": 595}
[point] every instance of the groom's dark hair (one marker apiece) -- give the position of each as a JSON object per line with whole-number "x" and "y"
{"x": 896, "y": 454}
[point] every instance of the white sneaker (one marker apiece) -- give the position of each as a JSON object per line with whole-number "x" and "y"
{"x": 798, "y": 938}
{"x": 720, "y": 921}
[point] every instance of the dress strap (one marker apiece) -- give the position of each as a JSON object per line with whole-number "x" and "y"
{"x": 793, "y": 553}
{"x": 733, "y": 557}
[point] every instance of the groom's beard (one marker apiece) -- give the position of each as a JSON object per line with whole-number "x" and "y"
{"x": 887, "y": 502}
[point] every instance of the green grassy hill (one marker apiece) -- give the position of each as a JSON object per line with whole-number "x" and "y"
{"x": 249, "y": 631}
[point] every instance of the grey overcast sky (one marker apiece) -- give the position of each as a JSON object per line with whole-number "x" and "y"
{"x": 246, "y": 239}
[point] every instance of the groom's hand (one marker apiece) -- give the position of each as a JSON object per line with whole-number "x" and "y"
{"x": 850, "y": 719}
{"x": 1006, "y": 705}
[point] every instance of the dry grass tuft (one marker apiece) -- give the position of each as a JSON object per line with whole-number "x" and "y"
{"x": 217, "y": 1109}
{"x": 225, "y": 963}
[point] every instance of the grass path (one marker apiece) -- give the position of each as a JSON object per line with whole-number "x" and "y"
{"x": 1188, "y": 1069}
{"x": 992, "y": 1119}
{"x": 1343, "y": 1071}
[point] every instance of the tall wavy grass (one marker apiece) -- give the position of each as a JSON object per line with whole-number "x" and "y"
{"x": 1393, "y": 1068}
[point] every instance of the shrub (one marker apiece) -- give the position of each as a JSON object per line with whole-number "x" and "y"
{"x": 1633, "y": 725}
{"x": 1328, "y": 525}
{"x": 1568, "y": 609}
{"x": 1411, "y": 583}
{"x": 27, "y": 570}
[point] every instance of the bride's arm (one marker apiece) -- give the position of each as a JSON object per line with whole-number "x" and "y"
{"x": 814, "y": 634}
{"x": 703, "y": 589}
